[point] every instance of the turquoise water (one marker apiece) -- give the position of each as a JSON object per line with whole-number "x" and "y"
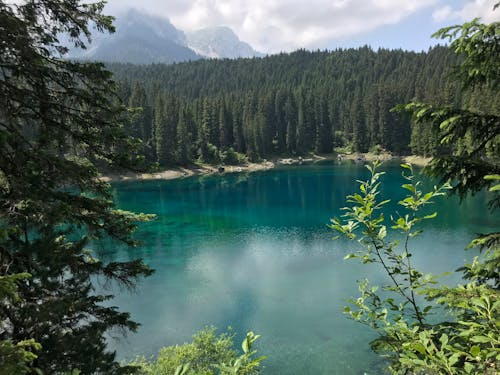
{"x": 252, "y": 251}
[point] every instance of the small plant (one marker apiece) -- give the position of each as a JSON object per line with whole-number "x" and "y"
{"x": 207, "y": 354}
{"x": 469, "y": 343}
{"x": 245, "y": 364}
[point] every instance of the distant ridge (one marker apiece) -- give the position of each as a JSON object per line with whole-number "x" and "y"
{"x": 219, "y": 42}
{"x": 141, "y": 38}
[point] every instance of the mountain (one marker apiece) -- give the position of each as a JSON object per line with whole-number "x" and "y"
{"x": 144, "y": 39}
{"x": 219, "y": 42}
{"x": 139, "y": 39}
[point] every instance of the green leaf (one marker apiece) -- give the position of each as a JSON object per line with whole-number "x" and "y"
{"x": 492, "y": 177}
{"x": 182, "y": 369}
{"x": 468, "y": 367}
{"x": 475, "y": 350}
{"x": 382, "y": 233}
{"x": 480, "y": 339}
{"x": 454, "y": 359}
{"x": 431, "y": 216}
{"x": 245, "y": 346}
{"x": 409, "y": 187}
{"x": 419, "y": 347}
{"x": 495, "y": 188}
{"x": 448, "y": 122}
{"x": 443, "y": 339}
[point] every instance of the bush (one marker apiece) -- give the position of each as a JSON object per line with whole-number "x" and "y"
{"x": 231, "y": 157}
{"x": 411, "y": 337}
{"x": 377, "y": 150}
{"x": 207, "y": 354}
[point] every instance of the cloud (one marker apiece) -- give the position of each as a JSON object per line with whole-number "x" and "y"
{"x": 472, "y": 9}
{"x": 281, "y": 25}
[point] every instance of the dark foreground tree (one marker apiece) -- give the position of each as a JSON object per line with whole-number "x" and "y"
{"x": 60, "y": 123}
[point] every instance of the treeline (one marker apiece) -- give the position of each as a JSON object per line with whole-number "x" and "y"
{"x": 287, "y": 104}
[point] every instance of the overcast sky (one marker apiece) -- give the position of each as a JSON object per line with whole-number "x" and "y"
{"x": 283, "y": 25}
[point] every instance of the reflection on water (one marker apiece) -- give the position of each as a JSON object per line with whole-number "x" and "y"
{"x": 253, "y": 252}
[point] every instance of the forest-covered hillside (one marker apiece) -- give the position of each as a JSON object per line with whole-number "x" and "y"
{"x": 288, "y": 104}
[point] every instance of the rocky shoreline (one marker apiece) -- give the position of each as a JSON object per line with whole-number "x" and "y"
{"x": 196, "y": 170}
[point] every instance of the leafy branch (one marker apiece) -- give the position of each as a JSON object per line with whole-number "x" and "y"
{"x": 365, "y": 219}
{"x": 469, "y": 343}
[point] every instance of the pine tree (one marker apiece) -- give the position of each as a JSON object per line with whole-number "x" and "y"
{"x": 160, "y": 126}
{"x": 281, "y": 124}
{"x": 239, "y": 137}
{"x": 323, "y": 141}
{"x": 359, "y": 131}
{"x": 182, "y": 156}
{"x": 60, "y": 124}
{"x": 225, "y": 127}
{"x": 291, "y": 124}
{"x": 204, "y": 133}
{"x": 302, "y": 125}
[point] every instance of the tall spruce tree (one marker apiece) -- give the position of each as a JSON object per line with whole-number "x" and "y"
{"x": 60, "y": 124}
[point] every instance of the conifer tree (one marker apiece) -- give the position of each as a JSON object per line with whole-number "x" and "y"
{"x": 204, "y": 133}
{"x": 183, "y": 139}
{"x": 60, "y": 124}
{"x": 291, "y": 125}
{"x": 160, "y": 126}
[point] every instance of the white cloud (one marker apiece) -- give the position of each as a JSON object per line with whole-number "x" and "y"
{"x": 472, "y": 9}
{"x": 281, "y": 25}
{"x": 443, "y": 14}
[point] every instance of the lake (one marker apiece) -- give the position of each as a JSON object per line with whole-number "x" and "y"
{"x": 253, "y": 252}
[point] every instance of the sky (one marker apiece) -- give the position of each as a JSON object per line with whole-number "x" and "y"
{"x": 273, "y": 26}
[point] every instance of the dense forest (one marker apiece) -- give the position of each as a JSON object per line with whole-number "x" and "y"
{"x": 289, "y": 104}
{"x": 61, "y": 128}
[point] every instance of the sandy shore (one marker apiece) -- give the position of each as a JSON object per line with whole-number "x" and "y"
{"x": 419, "y": 161}
{"x": 196, "y": 170}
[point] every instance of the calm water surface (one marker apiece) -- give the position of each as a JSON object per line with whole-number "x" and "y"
{"x": 252, "y": 251}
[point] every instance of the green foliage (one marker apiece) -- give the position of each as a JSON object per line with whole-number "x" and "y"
{"x": 61, "y": 124}
{"x": 377, "y": 150}
{"x": 245, "y": 364}
{"x": 470, "y": 138}
{"x": 408, "y": 338}
{"x": 310, "y": 102}
{"x": 365, "y": 218}
{"x": 231, "y": 157}
{"x": 212, "y": 155}
{"x": 17, "y": 358}
{"x": 207, "y": 354}
{"x": 479, "y": 45}
{"x": 470, "y": 133}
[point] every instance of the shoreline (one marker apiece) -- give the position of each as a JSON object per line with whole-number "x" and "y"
{"x": 199, "y": 170}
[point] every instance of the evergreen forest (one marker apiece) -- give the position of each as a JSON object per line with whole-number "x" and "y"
{"x": 64, "y": 124}
{"x": 291, "y": 104}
